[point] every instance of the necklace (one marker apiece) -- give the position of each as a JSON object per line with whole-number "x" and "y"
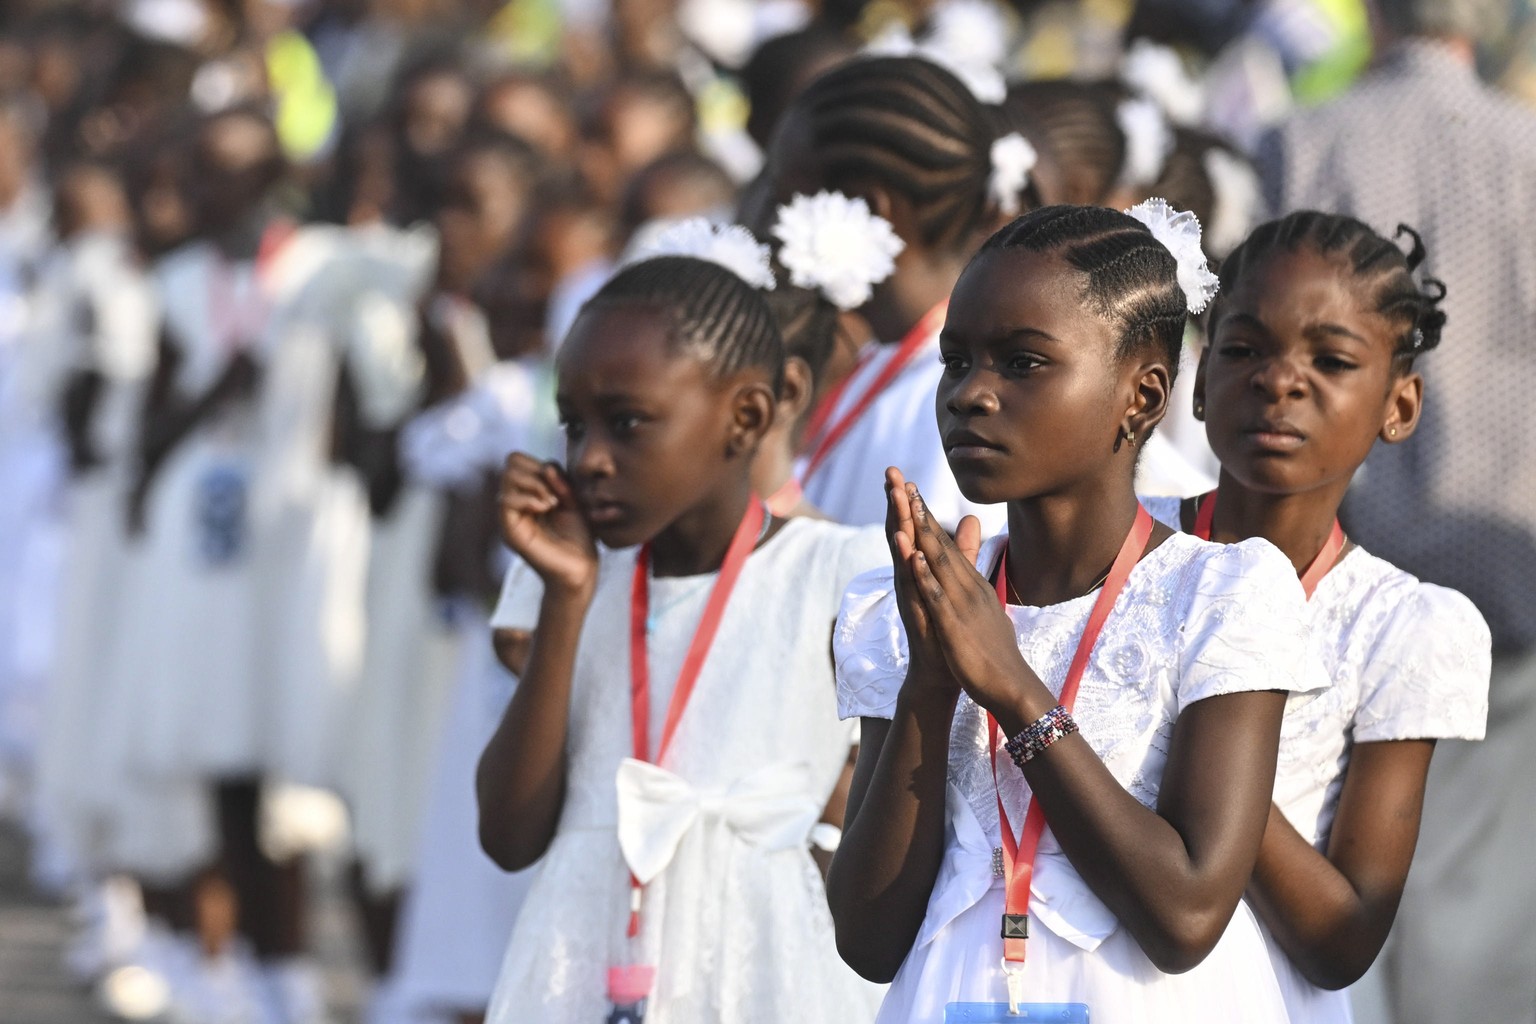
{"x": 1014, "y": 594}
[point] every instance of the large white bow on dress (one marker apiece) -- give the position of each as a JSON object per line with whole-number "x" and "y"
{"x": 771, "y": 809}
{"x": 1058, "y": 897}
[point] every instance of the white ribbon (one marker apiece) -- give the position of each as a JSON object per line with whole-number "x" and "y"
{"x": 771, "y": 809}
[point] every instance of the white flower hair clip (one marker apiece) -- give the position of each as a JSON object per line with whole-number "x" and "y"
{"x": 983, "y": 80}
{"x": 1012, "y": 160}
{"x": 1179, "y": 233}
{"x": 1148, "y": 140}
{"x": 1157, "y": 72}
{"x": 837, "y": 246}
{"x": 727, "y": 245}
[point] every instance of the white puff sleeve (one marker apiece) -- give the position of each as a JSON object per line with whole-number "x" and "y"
{"x": 522, "y": 594}
{"x": 1246, "y": 627}
{"x": 869, "y": 647}
{"x": 1427, "y": 674}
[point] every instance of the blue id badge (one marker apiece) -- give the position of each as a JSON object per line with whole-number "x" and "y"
{"x": 1002, "y": 1013}
{"x": 220, "y": 515}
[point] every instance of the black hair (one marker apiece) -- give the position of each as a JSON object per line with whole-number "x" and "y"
{"x": 1132, "y": 278}
{"x": 716, "y": 316}
{"x": 1074, "y": 124}
{"x": 703, "y": 180}
{"x": 1184, "y": 182}
{"x": 1395, "y": 290}
{"x": 777, "y": 70}
{"x": 808, "y": 323}
{"x": 909, "y": 125}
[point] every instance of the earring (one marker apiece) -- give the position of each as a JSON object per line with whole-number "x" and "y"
{"x": 1391, "y": 431}
{"x": 1130, "y": 437}
{"x": 1199, "y": 408}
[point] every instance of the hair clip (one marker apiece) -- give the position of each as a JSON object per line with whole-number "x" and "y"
{"x": 1012, "y": 160}
{"x": 1179, "y": 233}
{"x": 837, "y": 246}
{"x": 1148, "y": 140}
{"x": 727, "y": 245}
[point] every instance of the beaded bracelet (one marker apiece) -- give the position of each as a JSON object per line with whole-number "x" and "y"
{"x": 1055, "y": 724}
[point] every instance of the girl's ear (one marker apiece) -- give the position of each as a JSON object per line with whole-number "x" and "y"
{"x": 795, "y": 395}
{"x": 1405, "y": 402}
{"x": 1154, "y": 385}
{"x": 1199, "y": 392}
{"x": 752, "y": 413}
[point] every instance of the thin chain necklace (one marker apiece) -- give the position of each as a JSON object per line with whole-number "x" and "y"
{"x": 1014, "y": 594}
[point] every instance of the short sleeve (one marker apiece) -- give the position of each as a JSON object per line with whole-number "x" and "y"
{"x": 522, "y": 592}
{"x": 869, "y": 648}
{"x": 1246, "y": 628}
{"x": 863, "y": 552}
{"x": 1427, "y": 674}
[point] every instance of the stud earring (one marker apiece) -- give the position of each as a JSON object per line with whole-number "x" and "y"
{"x": 1130, "y": 437}
{"x": 1199, "y": 408}
{"x": 1391, "y": 431}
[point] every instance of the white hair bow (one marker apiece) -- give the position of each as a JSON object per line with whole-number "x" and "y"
{"x": 1179, "y": 232}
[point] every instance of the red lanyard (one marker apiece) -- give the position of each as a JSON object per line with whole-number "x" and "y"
{"x": 1205, "y": 514}
{"x": 234, "y": 327}
{"x": 825, "y": 435}
{"x": 1019, "y": 854}
{"x": 639, "y": 652}
{"x": 783, "y": 501}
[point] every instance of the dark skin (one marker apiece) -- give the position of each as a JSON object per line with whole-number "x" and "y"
{"x": 1024, "y": 361}
{"x": 659, "y": 449}
{"x": 1299, "y": 383}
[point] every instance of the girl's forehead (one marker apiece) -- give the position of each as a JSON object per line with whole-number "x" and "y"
{"x": 623, "y": 345}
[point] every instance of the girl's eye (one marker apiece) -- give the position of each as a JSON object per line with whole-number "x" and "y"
{"x": 953, "y": 364}
{"x": 1024, "y": 362}
{"x": 1333, "y": 364}
{"x": 1235, "y": 350}
{"x": 572, "y": 428}
{"x": 624, "y": 424}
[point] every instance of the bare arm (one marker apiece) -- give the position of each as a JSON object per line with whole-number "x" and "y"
{"x": 520, "y": 782}
{"x": 1172, "y": 876}
{"x": 1331, "y": 913}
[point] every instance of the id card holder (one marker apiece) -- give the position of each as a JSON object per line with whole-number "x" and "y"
{"x": 220, "y": 514}
{"x": 1001, "y": 1013}
{"x": 629, "y": 988}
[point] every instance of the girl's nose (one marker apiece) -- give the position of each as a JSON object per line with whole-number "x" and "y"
{"x": 1279, "y": 378}
{"x": 589, "y": 457}
{"x": 972, "y": 396}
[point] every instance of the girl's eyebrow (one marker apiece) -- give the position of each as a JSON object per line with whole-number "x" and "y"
{"x": 1331, "y": 330}
{"x": 1007, "y": 335}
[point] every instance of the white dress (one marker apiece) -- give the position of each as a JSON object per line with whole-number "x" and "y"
{"x": 1408, "y": 660}
{"x": 898, "y": 429}
{"x": 736, "y": 922}
{"x": 1196, "y": 620}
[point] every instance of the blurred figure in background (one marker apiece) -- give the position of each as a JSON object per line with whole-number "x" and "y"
{"x": 1421, "y": 140}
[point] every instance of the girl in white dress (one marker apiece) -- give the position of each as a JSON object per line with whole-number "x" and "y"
{"x": 681, "y": 875}
{"x": 1139, "y": 833}
{"x": 1311, "y": 363}
{"x": 910, "y": 139}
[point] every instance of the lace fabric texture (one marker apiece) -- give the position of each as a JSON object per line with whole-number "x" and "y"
{"x": 737, "y": 932}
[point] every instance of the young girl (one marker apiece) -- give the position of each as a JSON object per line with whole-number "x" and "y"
{"x": 1059, "y": 352}
{"x": 1311, "y": 362}
{"x": 672, "y": 740}
{"x": 910, "y": 139}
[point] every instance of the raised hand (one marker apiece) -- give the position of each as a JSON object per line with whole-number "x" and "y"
{"x": 964, "y": 617}
{"x": 541, "y": 522}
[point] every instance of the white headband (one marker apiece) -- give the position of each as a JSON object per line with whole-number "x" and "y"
{"x": 835, "y": 245}
{"x": 1179, "y": 232}
{"x": 728, "y": 245}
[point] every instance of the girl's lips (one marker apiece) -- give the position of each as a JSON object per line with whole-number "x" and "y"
{"x": 604, "y": 513}
{"x": 1276, "y": 440}
{"x": 975, "y": 451}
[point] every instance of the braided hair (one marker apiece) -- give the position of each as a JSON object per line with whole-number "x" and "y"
{"x": 1074, "y": 125}
{"x": 910, "y": 125}
{"x": 716, "y": 317}
{"x": 1132, "y": 278}
{"x": 1409, "y": 302}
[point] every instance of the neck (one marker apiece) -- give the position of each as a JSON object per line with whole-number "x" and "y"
{"x": 907, "y": 296}
{"x": 774, "y": 462}
{"x": 695, "y": 543}
{"x": 1297, "y": 524}
{"x": 242, "y": 239}
{"x": 1060, "y": 546}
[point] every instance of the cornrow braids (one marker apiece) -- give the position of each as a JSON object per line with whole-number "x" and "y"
{"x": 716, "y": 317}
{"x": 1408, "y": 301}
{"x": 808, "y": 323}
{"x": 1132, "y": 278}
{"x": 1074, "y": 124}
{"x": 912, "y": 126}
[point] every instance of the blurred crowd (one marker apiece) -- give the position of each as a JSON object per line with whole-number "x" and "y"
{"x": 279, "y": 284}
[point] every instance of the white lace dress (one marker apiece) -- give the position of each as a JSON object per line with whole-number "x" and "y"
{"x": 1196, "y": 620}
{"x": 737, "y": 923}
{"x": 898, "y": 429}
{"x": 1408, "y": 660}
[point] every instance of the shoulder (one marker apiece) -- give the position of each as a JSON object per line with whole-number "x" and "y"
{"x": 822, "y": 549}
{"x": 1165, "y": 510}
{"x": 1427, "y": 657}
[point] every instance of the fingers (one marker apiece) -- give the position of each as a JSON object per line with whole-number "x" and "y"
{"x": 935, "y": 601}
{"x": 968, "y": 538}
{"x": 898, "y": 516}
{"x": 527, "y": 488}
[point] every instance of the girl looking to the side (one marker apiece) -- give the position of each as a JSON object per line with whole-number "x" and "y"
{"x": 1059, "y": 352}
{"x": 667, "y": 385}
{"x": 1311, "y": 364}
